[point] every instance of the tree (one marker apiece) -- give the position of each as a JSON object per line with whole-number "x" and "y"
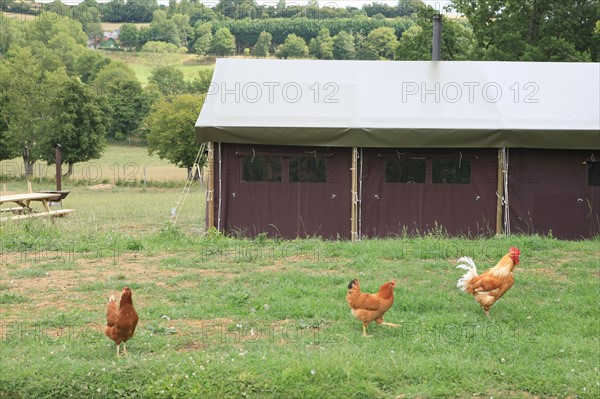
{"x": 162, "y": 48}
{"x": 163, "y": 29}
{"x": 203, "y": 33}
{"x": 201, "y": 84}
{"x": 293, "y": 47}
{"x": 169, "y": 80}
{"x": 263, "y": 44}
{"x": 183, "y": 28}
{"x": 365, "y": 50}
{"x": 223, "y": 42}
{"x": 12, "y": 32}
{"x": 88, "y": 14}
{"x": 343, "y": 46}
{"x": 139, "y": 10}
{"x": 171, "y": 131}
{"x": 113, "y": 11}
{"x": 324, "y": 45}
{"x": 78, "y": 123}
{"x": 25, "y": 105}
{"x": 94, "y": 32}
{"x": 48, "y": 25}
{"x": 414, "y": 45}
{"x": 129, "y": 103}
{"x": 67, "y": 49}
{"x": 535, "y": 30}
{"x": 237, "y": 9}
{"x": 57, "y": 7}
{"x": 129, "y": 36}
{"x": 9, "y": 144}
{"x": 89, "y": 64}
{"x": 416, "y": 41}
{"x": 313, "y": 48}
{"x": 384, "y": 41}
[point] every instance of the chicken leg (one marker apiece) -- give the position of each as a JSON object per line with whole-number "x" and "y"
{"x": 378, "y": 321}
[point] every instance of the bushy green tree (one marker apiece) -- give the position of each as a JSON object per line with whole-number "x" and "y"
{"x": 88, "y": 13}
{"x": 25, "y": 101}
{"x": 12, "y": 32}
{"x": 113, "y": 11}
{"x": 324, "y": 43}
{"x": 343, "y": 46}
{"x": 89, "y": 64}
{"x": 183, "y": 28}
{"x": 384, "y": 41}
{"x": 129, "y": 103}
{"x": 222, "y": 43}
{"x": 49, "y": 24}
{"x": 203, "y": 34}
{"x": 139, "y": 10}
{"x": 79, "y": 117}
{"x": 129, "y": 36}
{"x": 263, "y": 45}
{"x": 171, "y": 132}
{"x": 293, "y": 47}
{"x": 169, "y": 80}
{"x": 163, "y": 29}
{"x": 162, "y": 48}
{"x": 533, "y": 30}
{"x": 201, "y": 83}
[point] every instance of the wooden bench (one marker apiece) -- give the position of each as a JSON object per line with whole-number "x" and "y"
{"x": 53, "y": 214}
{"x": 15, "y": 209}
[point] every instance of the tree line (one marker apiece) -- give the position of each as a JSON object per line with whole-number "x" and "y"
{"x": 529, "y": 30}
{"x": 54, "y": 89}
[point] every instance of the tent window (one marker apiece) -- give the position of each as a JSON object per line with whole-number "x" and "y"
{"x": 451, "y": 170}
{"x": 261, "y": 169}
{"x": 307, "y": 170}
{"x": 405, "y": 170}
{"x": 593, "y": 174}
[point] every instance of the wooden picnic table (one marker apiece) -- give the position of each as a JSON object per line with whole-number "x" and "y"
{"x": 24, "y": 210}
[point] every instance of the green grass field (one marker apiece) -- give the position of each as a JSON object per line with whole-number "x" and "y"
{"x": 143, "y": 63}
{"x": 239, "y": 318}
{"x": 118, "y": 163}
{"x": 231, "y": 318}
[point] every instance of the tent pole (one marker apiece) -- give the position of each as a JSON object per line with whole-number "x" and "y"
{"x": 210, "y": 186}
{"x": 354, "y": 196}
{"x": 499, "y": 194}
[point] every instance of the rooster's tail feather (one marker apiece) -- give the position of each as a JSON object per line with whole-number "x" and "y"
{"x": 467, "y": 264}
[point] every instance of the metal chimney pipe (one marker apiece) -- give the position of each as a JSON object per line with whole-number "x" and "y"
{"x": 58, "y": 162}
{"x": 436, "y": 54}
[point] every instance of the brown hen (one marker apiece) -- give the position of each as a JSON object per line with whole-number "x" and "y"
{"x": 121, "y": 322}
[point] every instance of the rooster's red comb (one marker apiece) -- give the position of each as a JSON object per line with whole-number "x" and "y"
{"x": 515, "y": 251}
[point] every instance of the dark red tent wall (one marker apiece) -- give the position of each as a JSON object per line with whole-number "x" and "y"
{"x": 393, "y": 209}
{"x": 549, "y": 192}
{"x": 283, "y": 208}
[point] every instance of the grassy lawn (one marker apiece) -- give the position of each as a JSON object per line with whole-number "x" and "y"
{"x": 143, "y": 63}
{"x": 119, "y": 162}
{"x": 231, "y": 318}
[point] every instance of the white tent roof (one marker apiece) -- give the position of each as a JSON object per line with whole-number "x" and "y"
{"x": 403, "y": 104}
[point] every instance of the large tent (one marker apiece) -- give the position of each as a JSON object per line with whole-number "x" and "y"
{"x": 375, "y": 148}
